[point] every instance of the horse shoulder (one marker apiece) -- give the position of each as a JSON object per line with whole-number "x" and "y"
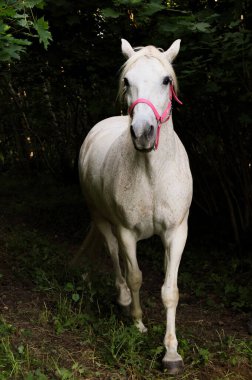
{"x": 181, "y": 156}
{"x": 106, "y": 131}
{"x": 173, "y": 188}
{"x": 94, "y": 150}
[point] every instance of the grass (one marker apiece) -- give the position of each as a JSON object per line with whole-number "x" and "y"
{"x": 119, "y": 348}
{"x": 16, "y": 357}
{"x": 57, "y": 324}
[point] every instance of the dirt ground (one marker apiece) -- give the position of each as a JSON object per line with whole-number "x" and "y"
{"x": 211, "y": 336}
{"x": 22, "y": 307}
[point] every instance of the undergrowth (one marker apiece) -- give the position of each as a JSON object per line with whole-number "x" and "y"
{"x": 80, "y": 307}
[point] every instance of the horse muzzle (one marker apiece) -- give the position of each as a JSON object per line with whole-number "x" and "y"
{"x": 143, "y": 136}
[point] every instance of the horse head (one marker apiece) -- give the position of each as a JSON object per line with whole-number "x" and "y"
{"x": 147, "y": 82}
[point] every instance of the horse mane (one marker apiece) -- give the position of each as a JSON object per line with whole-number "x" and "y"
{"x": 150, "y": 52}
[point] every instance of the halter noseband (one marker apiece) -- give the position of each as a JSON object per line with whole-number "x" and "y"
{"x": 165, "y": 115}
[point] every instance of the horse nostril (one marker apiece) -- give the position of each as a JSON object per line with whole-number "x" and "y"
{"x": 150, "y": 132}
{"x": 132, "y": 132}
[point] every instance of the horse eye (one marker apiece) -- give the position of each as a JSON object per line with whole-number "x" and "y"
{"x": 126, "y": 82}
{"x": 166, "y": 80}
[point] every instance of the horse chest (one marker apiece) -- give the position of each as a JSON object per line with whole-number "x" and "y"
{"x": 146, "y": 205}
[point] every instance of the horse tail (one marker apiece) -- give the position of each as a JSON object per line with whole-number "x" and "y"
{"x": 89, "y": 249}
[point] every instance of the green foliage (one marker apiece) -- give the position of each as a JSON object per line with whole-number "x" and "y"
{"x": 12, "y": 357}
{"x": 36, "y": 256}
{"x": 74, "y": 85}
{"x": 18, "y": 25}
{"x": 228, "y": 284}
{"x": 10, "y": 47}
{"x": 110, "y": 13}
{"x": 138, "y": 11}
{"x": 41, "y": 26}
{"x": 67, "y": 317}
{"x": 36, "y": 375}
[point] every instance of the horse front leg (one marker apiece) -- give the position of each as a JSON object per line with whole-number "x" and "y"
{"x": 127, "y": 244}
{"x": 174, "y": 247}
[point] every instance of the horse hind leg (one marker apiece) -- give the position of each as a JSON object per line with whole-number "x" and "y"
{"x": 124, "y": 295}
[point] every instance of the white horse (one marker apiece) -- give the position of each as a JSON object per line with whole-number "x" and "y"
{"x": 136, "y": 180}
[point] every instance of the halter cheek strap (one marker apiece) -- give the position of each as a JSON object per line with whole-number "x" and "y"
{"x": 160, "y": 118}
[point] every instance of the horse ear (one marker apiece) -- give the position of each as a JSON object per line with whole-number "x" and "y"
{"x": 127, "y": 49}
{"x": 173, "y": 50}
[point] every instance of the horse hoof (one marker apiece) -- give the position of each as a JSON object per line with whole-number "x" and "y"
{"x": 174, "y": 367}
{"x": 140, "y": 326}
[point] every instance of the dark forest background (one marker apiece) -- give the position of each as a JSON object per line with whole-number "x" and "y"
{"x": 59, "y": 72}
{"x": 59, "y": 66}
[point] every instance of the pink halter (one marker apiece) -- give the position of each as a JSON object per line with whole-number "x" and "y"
{"x": 165, "y": 115}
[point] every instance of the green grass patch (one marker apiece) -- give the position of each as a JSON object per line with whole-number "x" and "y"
{"x": 42, "y": 223}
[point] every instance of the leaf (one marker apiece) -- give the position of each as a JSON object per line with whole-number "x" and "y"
{"x": 109, "y": 12}
{"x": 3, "y": 28}
{"x": 202, "y": 27}
{"x": 20, "y": 42}
{"x": 21, "y": 16}
{"x": 10, "y": 52}
{"x": 24, "y": 23}
{"x": 41, "y": 26}
{"x": 152, "y": 8}
{"x": 33, "y": 3}
{"x": 21, "y": 349}
{"x": 69, "y": 287}
{"x": 134, "y": 2}
{"x": 127, "y": 3}
{"x": 75, "y": 297}
{"x": 7, "y": 12}
{"x": 233, "y": 24}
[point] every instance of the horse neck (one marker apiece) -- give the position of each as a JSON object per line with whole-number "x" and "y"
{"x": 167, "y": 141}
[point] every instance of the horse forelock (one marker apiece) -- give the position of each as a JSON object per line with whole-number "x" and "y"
{"x": 149, "y": 52}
